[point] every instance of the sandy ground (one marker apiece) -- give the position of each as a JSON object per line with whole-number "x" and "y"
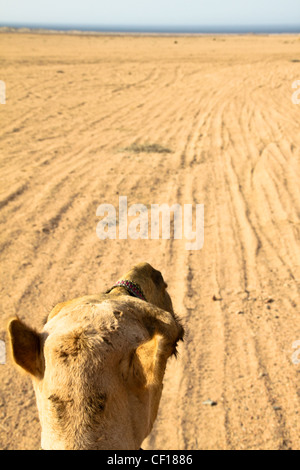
{"x": 222, "y": 106}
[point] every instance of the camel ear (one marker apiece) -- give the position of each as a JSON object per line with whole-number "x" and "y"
{"x": 149, "y": 363}
{"x": 145, "y": 366}
{"x": 26, "y": 347}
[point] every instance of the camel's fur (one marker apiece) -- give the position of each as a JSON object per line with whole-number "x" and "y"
{"x": 98, "y": 365}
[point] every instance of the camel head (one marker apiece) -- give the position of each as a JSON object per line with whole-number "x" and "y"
{"x": 152, "y": 285}
{"x": 98, "y": 364}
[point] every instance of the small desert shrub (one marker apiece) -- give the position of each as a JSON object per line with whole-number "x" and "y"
{"x": 147, "y": 148}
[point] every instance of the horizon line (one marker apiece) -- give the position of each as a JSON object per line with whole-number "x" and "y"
{"x": 267, "y": 28}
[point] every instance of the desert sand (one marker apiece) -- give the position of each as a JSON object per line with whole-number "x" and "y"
{"x": 77, "y": 109}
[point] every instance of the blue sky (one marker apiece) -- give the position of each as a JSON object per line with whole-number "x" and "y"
{"x": 150, "y": 12}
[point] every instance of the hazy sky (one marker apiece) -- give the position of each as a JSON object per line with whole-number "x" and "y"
{"x": 150, "y": 12}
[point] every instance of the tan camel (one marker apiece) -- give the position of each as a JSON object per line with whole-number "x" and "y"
{"x": 98, "y": 365}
